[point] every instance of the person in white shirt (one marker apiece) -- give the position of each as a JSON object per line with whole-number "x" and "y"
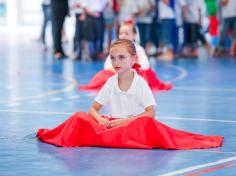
{"x": 110, "y": 20}
{"x": 128, "y": 31}
{"x": 193, "y": 14}
{"x": 94, "y": 26}
{"x": 60, "y": 9}
{"x": 76, "y": 6}
{"x": 46, "y": 7}
{"x": 131, "y": 120}
{"x": 228, "y": 12}
{"x": 167, "y": 20}
{"x": 126, "y": 94}
{"x": 127, "y": 10}
{"x": 144, "y": 18}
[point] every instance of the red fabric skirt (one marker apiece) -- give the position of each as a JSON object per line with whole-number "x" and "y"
{"x": 149, "y": 75}
{"x": 81, "y": 129}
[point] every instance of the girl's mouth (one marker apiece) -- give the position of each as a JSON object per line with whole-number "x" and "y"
{"x": 117, "y": 68}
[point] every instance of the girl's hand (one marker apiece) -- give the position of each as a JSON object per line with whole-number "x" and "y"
{"x": 103, "y": 122}
{"x": 82, "y": 17}
{"x": 96, "y": 14}
{"x": 117, "y": 122}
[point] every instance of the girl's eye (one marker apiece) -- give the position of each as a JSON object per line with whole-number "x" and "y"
{"x": 121, "y": 57}
{"x": 112, "y": 58}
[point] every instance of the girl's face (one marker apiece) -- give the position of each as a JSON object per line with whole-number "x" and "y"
{"x": 126, "y": 32}
{"x": 121, "y": 59}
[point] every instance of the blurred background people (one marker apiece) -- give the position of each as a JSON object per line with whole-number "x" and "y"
{"x": 94, "y": 26}
{"x": 167, "y": 20}
{"x": 76, "y": 6}
{"x": 228, "y": 11}
{"x": 60, "y": 9}
{"x": 144, "y": 17}
{"x": 46, "y": 7}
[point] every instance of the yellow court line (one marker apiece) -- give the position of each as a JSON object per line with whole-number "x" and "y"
{"x": 51, "y": 92}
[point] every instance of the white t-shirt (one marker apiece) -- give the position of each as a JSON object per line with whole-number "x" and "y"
{"x": 77, "y": 10}
{"x": 108, "y": 11}
{"x": 165, "y": 11}
{"x": 179, "y": 4}
{"x": 44, "y": 2}
{"x": 127, "y": 10}
{"x": 122, "y": 104}
{"x": 195, "y": 9}
{"x": 229, "y": 10}
{"x": 95, "y": 5}
{"x": 147, "y": 15}
{"x": 142, "y": 59}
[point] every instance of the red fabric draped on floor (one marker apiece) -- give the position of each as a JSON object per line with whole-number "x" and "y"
{"x": 82, "y": 130}
{"x": 149, "y": 75}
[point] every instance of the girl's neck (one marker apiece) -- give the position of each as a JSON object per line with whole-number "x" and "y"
{"x": 125, "y": 80}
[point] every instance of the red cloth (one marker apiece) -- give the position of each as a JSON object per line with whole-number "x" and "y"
{"x": 213, "y": 26}
{"x": 81, "y": 129}
{"x": 153, "y": 81}
{"x": 115, "y": 6}
{"x": 98, "y": 80}
{"x": 149, "y": 75}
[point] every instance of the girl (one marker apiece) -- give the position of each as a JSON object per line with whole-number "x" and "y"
{"x": 127, "y": 31}
{"x": 131, "y": 122}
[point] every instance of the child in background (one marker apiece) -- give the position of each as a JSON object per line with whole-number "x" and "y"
{"x": 128, "y": 31}
{"x": 130, "y": 123}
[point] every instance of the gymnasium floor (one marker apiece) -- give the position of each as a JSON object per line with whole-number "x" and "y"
{"x": 37, "y": 91}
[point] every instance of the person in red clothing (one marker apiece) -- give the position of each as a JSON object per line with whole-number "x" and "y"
{"x": 130, "y": 122}
{"x": 128, "y": 31}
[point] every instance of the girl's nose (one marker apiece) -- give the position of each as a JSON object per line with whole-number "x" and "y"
{"x": 114, "y": 61}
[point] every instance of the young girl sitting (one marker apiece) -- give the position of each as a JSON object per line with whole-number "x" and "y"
{"x": 130, "y": 123}
{"x": 127, "y": 31}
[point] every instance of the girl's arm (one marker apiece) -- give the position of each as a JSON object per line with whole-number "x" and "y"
{"x": 94, "y": 111}
{"x": 149, "y": 112}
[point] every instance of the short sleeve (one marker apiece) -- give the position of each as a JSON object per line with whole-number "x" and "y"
{"x": 146, "y": 95}
{"x": 103, "y": 95}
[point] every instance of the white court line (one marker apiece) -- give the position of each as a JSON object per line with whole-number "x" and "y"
{"x": 91, "y": 94}
{"x": 35, "y": 101}
{"x": 13, "y": 104}
{"x": 55, "y": 99}
{"x": 158, "y": 117}
{"x": 70, "y": 113}
{"x": 74, "y": 97}
{"x": 213, "y": 151}
{"x": 188, "y": 169}
{"x": 45, "y": 94}
{"x": 37, "y": 112}
{"x": 196, "y": 119}
{"x": 182, "y": 75}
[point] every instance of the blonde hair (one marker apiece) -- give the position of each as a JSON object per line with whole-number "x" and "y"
{"x": 129, "y": 46}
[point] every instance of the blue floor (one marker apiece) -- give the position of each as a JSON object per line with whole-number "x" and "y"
{"x": 37, "y": 91}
